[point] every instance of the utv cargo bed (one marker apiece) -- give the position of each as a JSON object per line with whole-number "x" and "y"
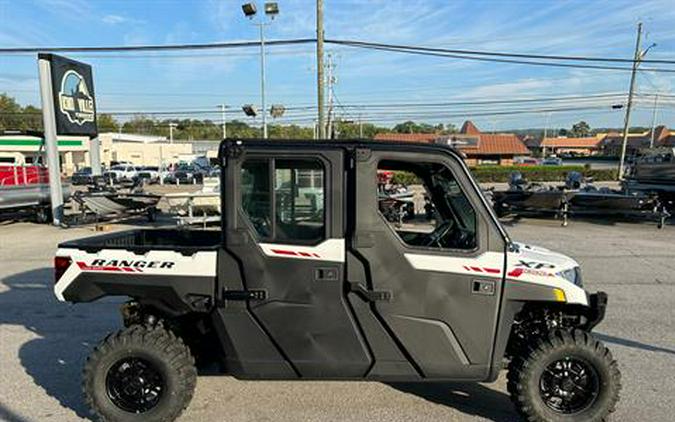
{"x": 183, "y": 241}
{"x": 174, "y": 269}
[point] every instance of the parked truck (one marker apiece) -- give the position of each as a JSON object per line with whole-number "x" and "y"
{"x": 323, "y": 286}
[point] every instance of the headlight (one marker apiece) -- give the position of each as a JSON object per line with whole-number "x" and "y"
{"x": 573, "y": 275}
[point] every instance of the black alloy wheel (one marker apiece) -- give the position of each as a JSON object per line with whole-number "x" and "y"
{"x": 134, "y": 385}
{"x": 569, "y": 386}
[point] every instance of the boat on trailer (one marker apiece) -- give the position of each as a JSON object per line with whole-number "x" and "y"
{"x": 577, "y": 197}
{"x": 26, "y": 188}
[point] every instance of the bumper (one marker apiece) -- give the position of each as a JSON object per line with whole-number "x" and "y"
{"x": 597, "y": 305}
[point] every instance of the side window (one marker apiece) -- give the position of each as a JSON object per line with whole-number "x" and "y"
{"x": 425, "y": 205}
{"x": 255, "y": 195}
{"x": 297, "y": 199}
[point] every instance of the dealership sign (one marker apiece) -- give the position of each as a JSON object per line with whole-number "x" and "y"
{"x": 73, "y": 92}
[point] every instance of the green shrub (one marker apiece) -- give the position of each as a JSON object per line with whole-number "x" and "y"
{"x": 495, "y": 174}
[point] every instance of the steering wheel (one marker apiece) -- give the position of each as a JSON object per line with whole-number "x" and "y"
{"x": 464, "y": 239}
{"x": 439, "y": 233}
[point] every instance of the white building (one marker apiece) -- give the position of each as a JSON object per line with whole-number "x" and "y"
{"x": 74, "y": 150}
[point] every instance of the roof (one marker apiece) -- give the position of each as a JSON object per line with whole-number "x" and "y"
{"x": 327, "y": 144}
{"x": 468, "y": 128}
{"x": 588, "y": 142}
{"x": 505, "y": 143}
{"x": 132, "y": 137}
{"x": 487, "y": 144}
{"x": 406, "y": 137}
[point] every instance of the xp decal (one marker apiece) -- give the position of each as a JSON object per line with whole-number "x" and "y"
{"x": 534, "y": 265}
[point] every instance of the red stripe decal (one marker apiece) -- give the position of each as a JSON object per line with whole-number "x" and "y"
{"x": 305, "y": 253}
{"x": 476, "y": 269}
{"x": 283, "y": 252}
{"x": 492, "y": 270}
{"x": 516, "y": 272}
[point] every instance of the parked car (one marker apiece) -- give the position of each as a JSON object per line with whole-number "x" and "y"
{"x": 552, "y": 161}
{"x": 185, "y": 174}
{"x": 120, "y": 173}
{"x": 526, "y": 161}
{"x": 84, "y": 176}
{"x": 149, "y": 174}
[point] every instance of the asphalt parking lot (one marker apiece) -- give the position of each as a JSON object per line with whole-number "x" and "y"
{"x": 43, "y": 343}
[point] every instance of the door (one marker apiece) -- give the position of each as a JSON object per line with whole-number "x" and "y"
{"x": 433, "y": 258}
{"x": 287, "y": 233}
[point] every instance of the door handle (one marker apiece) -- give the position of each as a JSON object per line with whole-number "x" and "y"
{"x": 326, "y": 274}
{"x": 483, "y": 287}
{"x": 370, "y": 295}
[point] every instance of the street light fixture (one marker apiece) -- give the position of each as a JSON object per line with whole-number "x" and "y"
{"x": 271, "y": 10}
{"x": 277, "y": 110}
{"x": 249, "y": 10}
{"x": 250, "y": 110}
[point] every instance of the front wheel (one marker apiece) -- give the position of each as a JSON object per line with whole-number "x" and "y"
{"x": 568, "y": 376}
{"x": 141, "y": 373}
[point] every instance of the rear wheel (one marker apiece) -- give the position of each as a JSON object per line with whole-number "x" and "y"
{"x": 569, "y": 376}
{"x": 141, "y": 373}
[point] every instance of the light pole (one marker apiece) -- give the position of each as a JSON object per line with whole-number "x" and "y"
{"x": 171, "y": 126}
{"x": 271, "y": 10}
{"x": 222, "y": 116}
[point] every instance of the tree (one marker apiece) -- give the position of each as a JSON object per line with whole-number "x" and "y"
{"x": 15, "y": 117}
{"x": 107, "y": 123}
{"x": 581, "y": 129}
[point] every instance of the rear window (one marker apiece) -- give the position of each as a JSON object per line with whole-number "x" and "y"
{"x": 284, "y": 200}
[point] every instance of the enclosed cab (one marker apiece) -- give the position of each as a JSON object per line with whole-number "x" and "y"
{"x": 309, "y": 279}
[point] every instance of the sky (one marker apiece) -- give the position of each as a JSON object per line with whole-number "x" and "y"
{"x": 202, "y": 80}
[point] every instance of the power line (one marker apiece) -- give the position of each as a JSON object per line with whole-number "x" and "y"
{"x": 497, "y": 53}
{"x": 426, "y": 52}
{"x": 155, "y": 47}
{"x": 354, "y": 43}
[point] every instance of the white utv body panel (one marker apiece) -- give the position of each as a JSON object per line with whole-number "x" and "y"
{"x": 154, "y": 262}
{"x": 524, "y": 264}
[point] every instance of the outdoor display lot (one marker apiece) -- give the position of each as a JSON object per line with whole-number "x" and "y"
{"x": 43, "y": 343}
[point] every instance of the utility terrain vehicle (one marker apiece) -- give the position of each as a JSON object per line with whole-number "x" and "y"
{"x": 307, "y": 280}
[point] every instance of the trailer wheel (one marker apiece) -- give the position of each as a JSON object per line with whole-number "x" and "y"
{"x": 43, "y": 215}
{"x": 567, "y": 376}
{"x": 141, "y": 373}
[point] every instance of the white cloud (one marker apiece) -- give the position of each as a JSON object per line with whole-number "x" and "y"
{"x": 118, "y": 19}
{"x": 113, "y": 19}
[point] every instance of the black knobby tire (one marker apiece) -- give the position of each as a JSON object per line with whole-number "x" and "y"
{"x": 529, "y": 379}
{"x": 171, "y": 367}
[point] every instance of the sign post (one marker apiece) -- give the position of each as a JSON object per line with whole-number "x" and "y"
{"x": 68, "y": 108}
{"x": 95, "y": 156}
{"x": 51, "y": 145}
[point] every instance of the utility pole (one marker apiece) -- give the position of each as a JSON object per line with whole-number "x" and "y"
{"x": 360, "y": 127}
{"x": 636, "y": 60}
{"x": 656, "y": 104}
{"x": 330, "y": 80}
{"x": 222, "y": 116}
{"x": 543, "y": 152}
{"x": 262, "y": 78}
{"x": 319, "y": 68}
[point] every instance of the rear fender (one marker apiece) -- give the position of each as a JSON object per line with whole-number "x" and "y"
{"x": 168, "y": 280}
